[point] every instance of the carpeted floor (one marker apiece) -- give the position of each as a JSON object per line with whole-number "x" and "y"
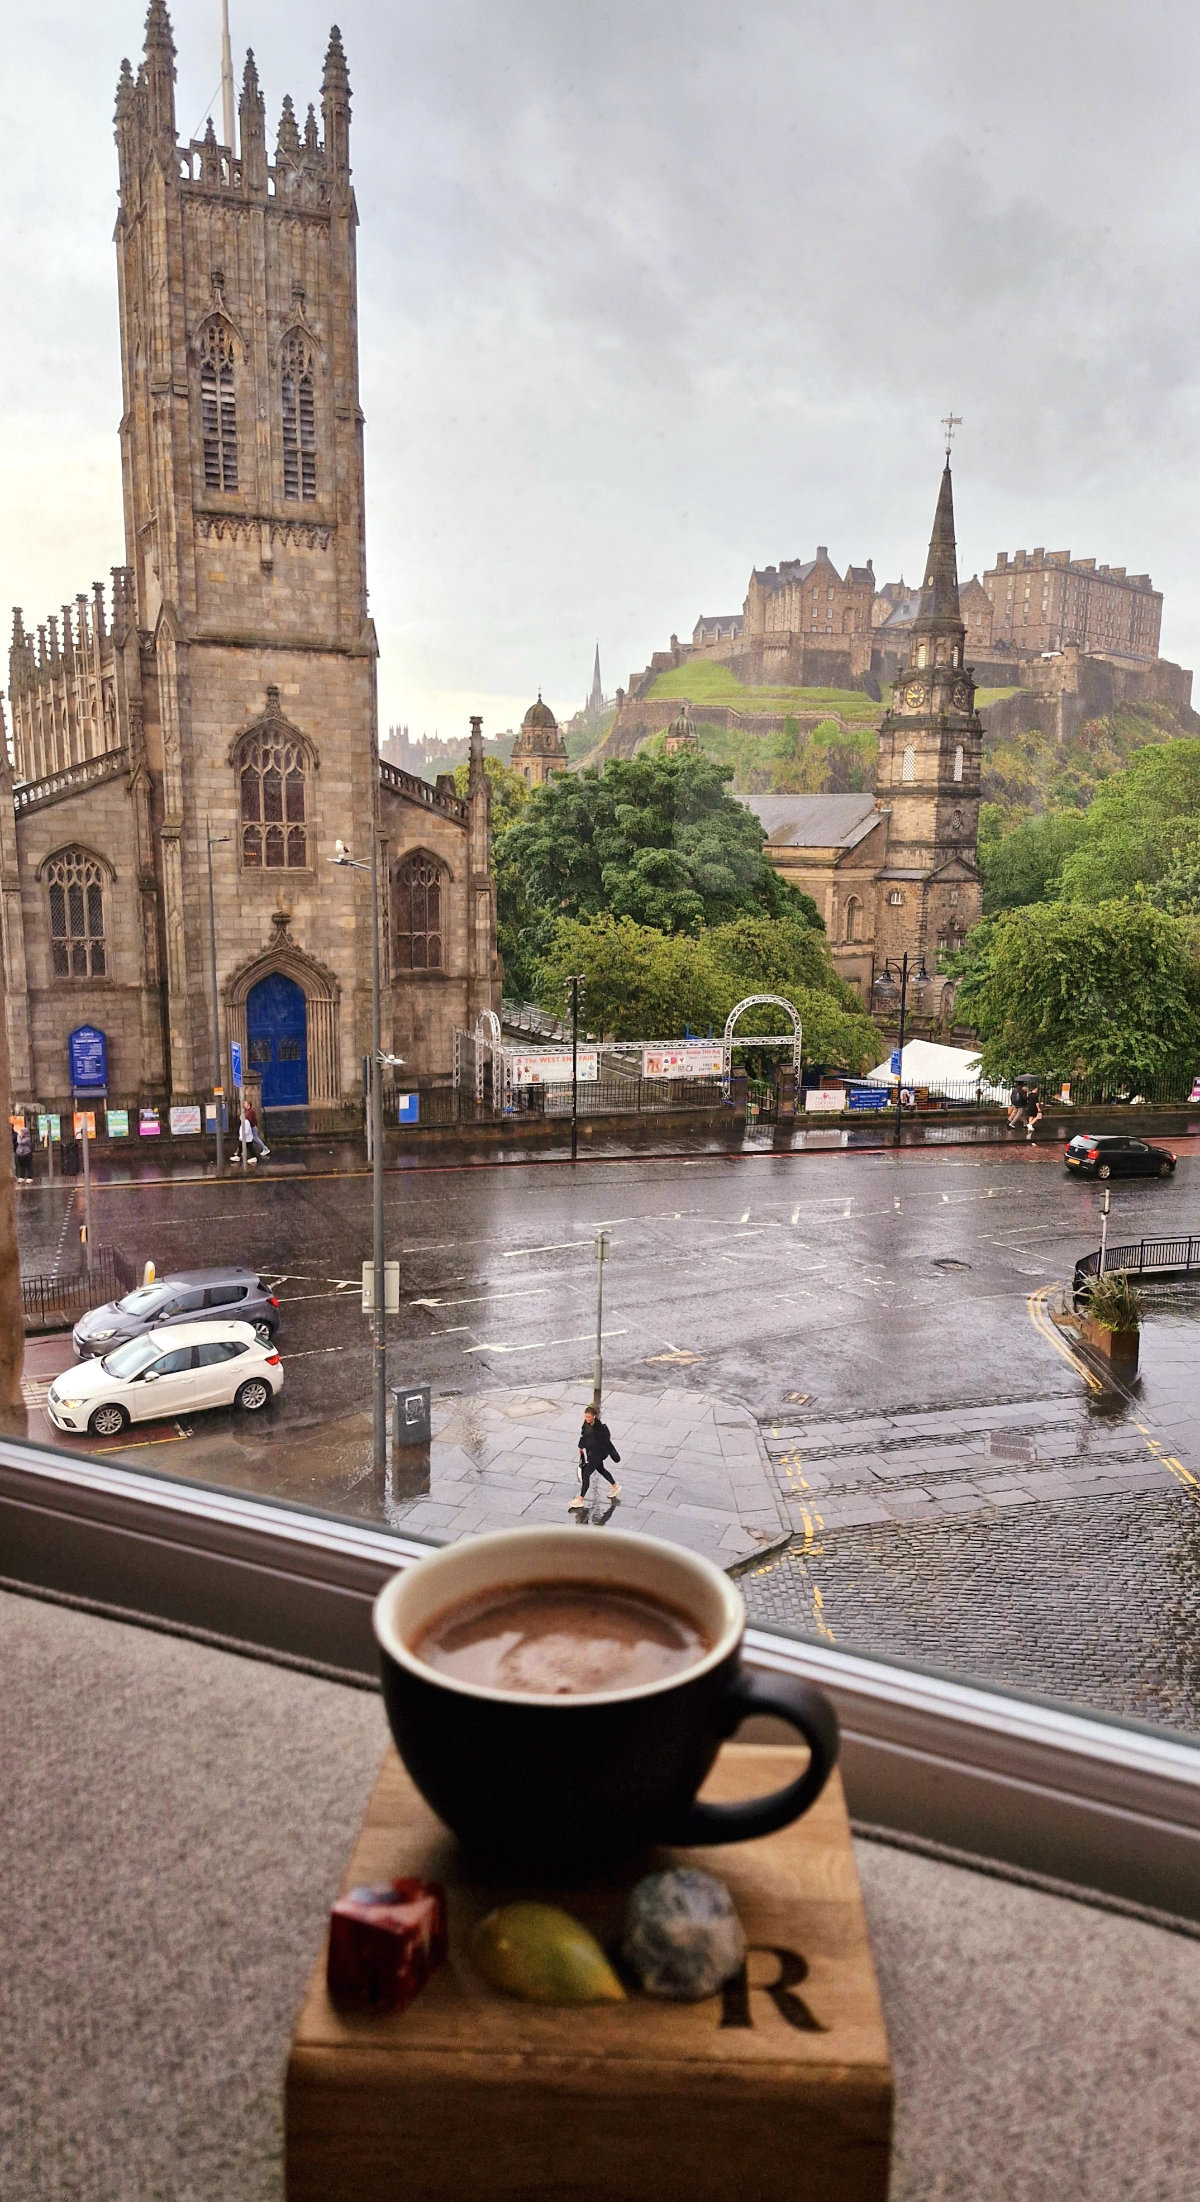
{"x": 175, "y": 1822}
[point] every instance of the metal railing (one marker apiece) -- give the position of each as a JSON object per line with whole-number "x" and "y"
{"x": 1176, "y": 1257}
{"x": 51, "y": 1303}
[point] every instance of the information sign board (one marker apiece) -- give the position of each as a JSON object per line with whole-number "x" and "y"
{"x": 148, "y": 1124}
{"x": 868, "y": 1097}
{"x": 829, "y": 1098}
{"x": 49, "y": 1127}
{"x": 391, "y": 1288}
{"x": 235, "y": 1050}
{"x": 87, "y": 1052}
{"x": 117, "y": 1121}
{"x": 894, "y": 1064}
{"x": 185, "y": 1119}
{"x": 550, "y": 1070}
{"x": 408, "y": 1108}
{"x": 691, "y": 1059}
{"x": 82, "y": 1117}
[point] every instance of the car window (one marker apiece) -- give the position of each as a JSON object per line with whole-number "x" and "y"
{"x": 1137, "y": 1146}
{"x": 129, "y": 1361}
{"x": 221, "y": 1349}
{"x": 224, "y": 1295}
{"x": 173, "y": 1364}
{"x": 146, "y": 1300}
{"x": 187, "y": 1303}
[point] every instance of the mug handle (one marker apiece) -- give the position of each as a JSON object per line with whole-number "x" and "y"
{"x": 809, "y": 1710}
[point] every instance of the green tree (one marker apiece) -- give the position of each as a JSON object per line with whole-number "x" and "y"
{"x": 1026, "y": 865}
{"x": 1110, "y": 991}
{"x": 1178, "y": 891}
{"x": 656, "y": 839}
{"x": 638, "y": 983}
{"x": 1135, "y": 824}
{"x": 510, "y": 792}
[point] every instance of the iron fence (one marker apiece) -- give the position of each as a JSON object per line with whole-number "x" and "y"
{"x": 1179, "y": 1257}
{"x": 52, "y": 1303}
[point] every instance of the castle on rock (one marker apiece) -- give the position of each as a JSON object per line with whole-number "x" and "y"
{"x": 220, "y": 707}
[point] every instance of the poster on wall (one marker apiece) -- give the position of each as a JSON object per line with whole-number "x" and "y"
{"x": 118, "y": 1123}
{"x": 828, "y": 1098}
{"x": 87, "y": 1054}
{"x": 49, "y": 1127}
{"x": 550, "y": 1070}
{"x": 185, "y": 1120}
{"x": 85, "y": 1117}
{"x": 691, "y": 1059}
{"x": 408, "y": 1108}
{"x": 149, "y": 1126}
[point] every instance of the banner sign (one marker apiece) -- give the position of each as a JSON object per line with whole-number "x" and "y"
{"x": 87, "y": 1050}
{"x": 825, "y": 1097}
{"x": 868, "y": 1097}
{"x": 235, "y": 1050}
{"x": 117, "y": 1121}
{"x": 184, "y": 1120}
{"x": 148, "y": 1124}
{"x": 408, "y": 1110}
{"x": 50, "y": 1127}
{"x": 550, "y": 1070}
{"x": 82, "y": 1117}
{"x": 691, "y": 1059}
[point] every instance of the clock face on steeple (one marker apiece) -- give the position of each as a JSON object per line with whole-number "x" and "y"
{"x": 914, "y": 695}
{"x": 961, "y": 696}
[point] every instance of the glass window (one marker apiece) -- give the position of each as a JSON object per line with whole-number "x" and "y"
{"x": 146, "y": 1300}
{"x": 224, "y": 1295}
{"x": 75, "y": 884}
{"x": 418, "y": 928}
{"x": 173, "y": 1364}
{"x": 218, "y": 407}
{"x": 299, "y": 421}
{"x": 219, "y": 1349}
{"x": 273, "y": 791}
{"x": 129, "y": 1361}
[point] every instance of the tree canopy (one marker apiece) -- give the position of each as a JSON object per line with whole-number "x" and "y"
{"x": 655, "y": 839}
{"x": 1026, "y": 865}
{"x": 641, "y": 984}
{"x": 1108, "y": 991}
{"x": 510, "y": 792}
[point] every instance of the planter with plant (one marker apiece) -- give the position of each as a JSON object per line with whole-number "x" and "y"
{"x": 1112, "y": 1317}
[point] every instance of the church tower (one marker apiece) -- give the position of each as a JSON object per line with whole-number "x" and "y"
{"x": 927, "y": 781}
{"x": 242, "y": 453}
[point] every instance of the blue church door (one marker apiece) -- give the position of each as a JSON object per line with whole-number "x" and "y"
{"x": 277, "y": 1039}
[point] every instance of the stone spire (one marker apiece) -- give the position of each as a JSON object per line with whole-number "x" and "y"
{"x": 158, "y": 73}
{"x": 335, "y": 105}
{"x": 252, "y": 126}
{"x": 288, "y": 140}
{"x": 596, "y": 699}
{"x": 938, "y": 607}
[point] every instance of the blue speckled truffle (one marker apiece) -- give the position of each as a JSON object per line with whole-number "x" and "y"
{"x": 683, "y": 1937}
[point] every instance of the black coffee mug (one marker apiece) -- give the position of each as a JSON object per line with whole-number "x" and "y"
{"x": 568, "y": 1785}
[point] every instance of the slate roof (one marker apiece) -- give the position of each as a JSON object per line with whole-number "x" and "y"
{"x": 814, "y": 821}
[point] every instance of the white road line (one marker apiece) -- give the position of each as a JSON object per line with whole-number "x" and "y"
{"x": 559, "y": 1246}
{"x": 796, "y": 1213}
{"x": 745, "y": 1218}
{"x": 539, "y": 1345}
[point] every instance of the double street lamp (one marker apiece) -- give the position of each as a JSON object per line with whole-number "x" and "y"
{"x": 886, "y": 986}
{"x": 379, "y": 1063}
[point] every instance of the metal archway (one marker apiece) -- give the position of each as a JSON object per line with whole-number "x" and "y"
{"x": 764, "y": 1039}
{"x": 489, "y": 1034}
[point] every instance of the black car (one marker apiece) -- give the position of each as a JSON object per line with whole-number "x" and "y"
{"x": 237, "y": 1295}
{"x": 1113, "y": 1154}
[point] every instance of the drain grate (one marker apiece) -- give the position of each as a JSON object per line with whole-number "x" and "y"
{"x": 949, "y": 1261}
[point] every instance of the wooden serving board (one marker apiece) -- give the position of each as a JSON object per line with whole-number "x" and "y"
{"x": 778, "y": 2090}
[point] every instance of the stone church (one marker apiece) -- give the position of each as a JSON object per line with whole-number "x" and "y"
{"x": 896, "y": 869}
{"x": 221, "y": 706}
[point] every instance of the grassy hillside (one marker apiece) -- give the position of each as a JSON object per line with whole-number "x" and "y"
{"x": 703, "y": 682}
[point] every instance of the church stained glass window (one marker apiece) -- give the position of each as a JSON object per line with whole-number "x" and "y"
{"x": 419, "y": 914}
{"x": 272, "y": 779}
{"x": 299, "y": 421}
{"x": 218, "y": 408}
{"x": 75, "y": 882}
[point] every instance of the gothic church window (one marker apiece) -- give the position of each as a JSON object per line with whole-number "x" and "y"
{"x": 218, "y": 408}
{"x": 272, "y": 779}
{"x": 908, "y": 763}
{"x": 299, "y": 421}
{"x": 419, "y": 914}
{"x": 76, "y": 887}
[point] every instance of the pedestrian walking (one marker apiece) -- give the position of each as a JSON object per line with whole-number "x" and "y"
{"x": 1034, "y": 1116}
{"x": 249, "y": 1134}
{"x": 23, "y": 1150}
{"x": 595, "y": 1447}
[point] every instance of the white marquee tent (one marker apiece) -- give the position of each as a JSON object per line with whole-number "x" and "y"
{"x": 948, "y": 1070}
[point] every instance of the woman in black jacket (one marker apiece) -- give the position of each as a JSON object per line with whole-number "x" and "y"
{"x": 595, "y": 1447}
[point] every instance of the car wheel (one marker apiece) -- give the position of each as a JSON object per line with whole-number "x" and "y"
{"x": 263, "y": 1333}
{"x": 108, "y": 1421}
{"x": 1165, "y": 1169}
{"x": 1105, "y": 1170}
{"x": 253, "y": 1395}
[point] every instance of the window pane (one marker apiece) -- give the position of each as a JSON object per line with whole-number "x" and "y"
{"x": 272, "y": 787}
{"x": 58, "y": 911}
{"x": 297, "y": 850}
{"x": 251, "y": 793}
{"x": 252, "y": 848}
{"x": 275, "y": 848}
{"x": 295, "y": 795}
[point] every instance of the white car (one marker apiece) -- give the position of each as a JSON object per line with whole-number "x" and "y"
{"x": 166, "y": 1373}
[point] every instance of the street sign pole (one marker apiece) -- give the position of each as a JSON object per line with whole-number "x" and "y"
{"x": 87, "y": 1192}
{"x": 602, "y": 1243}
{"x": 1105, "y": 1205}
{"x": 235, "y": 1059}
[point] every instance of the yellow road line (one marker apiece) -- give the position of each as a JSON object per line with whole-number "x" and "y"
{"x": 1036, "y": 1305}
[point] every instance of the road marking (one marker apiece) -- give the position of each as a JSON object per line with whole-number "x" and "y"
{"x": 538, "y": 1345}
{"x": 527, "y": 1292}
{"x": 559, "y": 1246}
{"x": 796, "y": 1213}
{"x": 745, "y": 1218}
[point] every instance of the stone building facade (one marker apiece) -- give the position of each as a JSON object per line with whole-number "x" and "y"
{"x": 222, "y": 707}
{"x": 896, "y": 870}
{"x": 1047, "y": 600}
{"x": 539, "y": 750}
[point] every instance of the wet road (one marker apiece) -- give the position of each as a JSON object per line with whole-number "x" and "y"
{"x": 845, "y": 1299}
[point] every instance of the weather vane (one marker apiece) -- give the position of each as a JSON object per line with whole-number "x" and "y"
{"x": 951, "y": 422}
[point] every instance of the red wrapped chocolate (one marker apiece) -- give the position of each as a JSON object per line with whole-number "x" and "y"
{"x": 384, "y": 1942}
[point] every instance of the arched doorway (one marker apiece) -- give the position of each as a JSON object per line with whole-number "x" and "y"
{"x": 277, "y": 1040}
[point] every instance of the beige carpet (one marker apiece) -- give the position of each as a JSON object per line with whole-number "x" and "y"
{"x": 175, "y": 1821}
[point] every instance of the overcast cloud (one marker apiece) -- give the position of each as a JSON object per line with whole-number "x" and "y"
{"x": 650, "y": 292}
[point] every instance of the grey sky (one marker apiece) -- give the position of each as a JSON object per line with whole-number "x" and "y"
{"x": 651, "y": 292}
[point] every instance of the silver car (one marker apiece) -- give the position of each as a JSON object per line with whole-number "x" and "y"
{"x": 190, "y": 1296}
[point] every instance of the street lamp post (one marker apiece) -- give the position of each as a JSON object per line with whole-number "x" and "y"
{"x": 886, "y": 985}
{"x": 379, "y": 1061}
{"x": 218, "y": 1063}
{"x": 602, "y": 1245}
{"x": 573, "y": 985}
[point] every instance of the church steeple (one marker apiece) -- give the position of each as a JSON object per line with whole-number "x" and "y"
{"x": 158, "y": 73}
{"x": 939, "y": 591}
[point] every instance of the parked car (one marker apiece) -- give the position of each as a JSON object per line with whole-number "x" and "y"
{"x": 192, "y": 1296}
{"x": 165, "y": 1373}
{"x": 1111, "y": 1154}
